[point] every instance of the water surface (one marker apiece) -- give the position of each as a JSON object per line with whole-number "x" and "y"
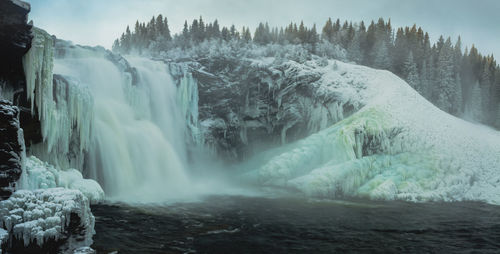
{"x": 233, "y": 224}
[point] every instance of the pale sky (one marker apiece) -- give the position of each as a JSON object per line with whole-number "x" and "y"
{"x": 99, "y": 22}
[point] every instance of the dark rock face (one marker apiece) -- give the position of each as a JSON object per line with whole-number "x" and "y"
{"x": 15, "y": 41}
{"x": 10, "y": 148}
{"x": 246, "y": 106}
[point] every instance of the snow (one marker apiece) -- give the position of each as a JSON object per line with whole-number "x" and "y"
{"x": 42, "y": 175}
{"x": 396, "y": 146}
{"x": 40, "y": 215}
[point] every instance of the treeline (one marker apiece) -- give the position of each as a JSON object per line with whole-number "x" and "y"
{"x": 461, "y": 82}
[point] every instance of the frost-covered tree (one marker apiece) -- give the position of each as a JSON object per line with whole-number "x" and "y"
{"x": 497, "y": 117}
{"x": 445, "y": 77}
{"x": 400, "y": 52}
{"x": 411, "y": 73}
{"x": 262, "y": 34}
{"x": 354, "y": 51}
{"x": 246, "y": 35}
{"x": 381, "y": 58}
{"x": 456, "y": 96}
{"x": 425, "y": 80}
{"x": 486, "y": 86}
{"x": 473, "y": 108}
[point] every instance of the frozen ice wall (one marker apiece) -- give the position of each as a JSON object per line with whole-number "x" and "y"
{"x": 397, "y": 146}
{"x": 64, "y": 106}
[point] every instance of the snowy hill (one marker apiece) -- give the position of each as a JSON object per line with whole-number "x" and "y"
{"x": 396, "y": 146}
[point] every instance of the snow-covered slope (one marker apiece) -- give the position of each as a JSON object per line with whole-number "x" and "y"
{"x": 397, "y": 146}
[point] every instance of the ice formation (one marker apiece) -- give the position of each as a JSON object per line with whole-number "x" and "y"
{"x": 35, "y": 217}
{"x": 42, "y": 175}
{"x": 187, "y": 99}
{"x": 397, "y": 146}
{"x": 64, "y": 106}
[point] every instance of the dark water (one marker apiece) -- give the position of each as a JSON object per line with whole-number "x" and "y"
{"x": 223, "y": 224}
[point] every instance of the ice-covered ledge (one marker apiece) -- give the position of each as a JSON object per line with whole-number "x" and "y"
{"x": 49, "y": 220}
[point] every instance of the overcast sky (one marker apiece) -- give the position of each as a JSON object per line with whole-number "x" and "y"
{"x": 99, "y": 22}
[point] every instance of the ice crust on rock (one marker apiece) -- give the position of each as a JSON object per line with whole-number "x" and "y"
{"x": 42, "y": 175}
{"x": 39, "y": 216}
{"x": 396, "y": 146}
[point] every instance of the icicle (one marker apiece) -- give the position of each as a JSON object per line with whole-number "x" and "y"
{"x": 187, "y": 97}
{"x": 63, "y": 105}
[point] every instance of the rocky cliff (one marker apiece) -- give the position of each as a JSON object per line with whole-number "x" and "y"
{"x": 15, "y": 41}
{"x": 11, "y": 148}
{"x": 246, "y": 105}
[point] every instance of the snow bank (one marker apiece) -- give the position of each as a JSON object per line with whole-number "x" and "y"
{"x": 40, "y": 216}
{"x": 42, "y": 175}
{"x": 397, "y": 146}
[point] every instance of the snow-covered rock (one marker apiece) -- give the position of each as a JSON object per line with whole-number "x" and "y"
{"x": 49, "y": 220}
{"x": 396, "y": 146}
{"x": 42, "y": 175}
{"x": 247, "y": 104}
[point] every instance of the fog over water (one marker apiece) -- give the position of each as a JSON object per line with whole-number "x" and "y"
{"x": 96, "y": 22}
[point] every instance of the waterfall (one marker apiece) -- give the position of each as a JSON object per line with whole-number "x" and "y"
{"x": 136, "y": 150}
{"x": 120, "y": 126}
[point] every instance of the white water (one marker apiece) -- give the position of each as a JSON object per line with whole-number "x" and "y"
{"x": 136, "y": 150}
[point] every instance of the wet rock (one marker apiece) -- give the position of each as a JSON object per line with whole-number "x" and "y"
{"x": 11, "y": 148}
{"x": 15, "y": 41}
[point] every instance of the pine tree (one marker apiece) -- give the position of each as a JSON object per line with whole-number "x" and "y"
{"x": 302, "y": 33}
{"x": 381, "y": 58}
{"x": 445, "y": 77}
{"x": 234, "y": 33}
{"x": 246, "y": 36}
{"x": 116, "y": 46}
{"x": 497, "y": 118}
{"x": 327, "y": 32}
{"x": 456, "y": 96}
{"x": 215, "y": 29}
{"x": 486, "y": 87}
{"x": 160, "y": 27}
{"x": 225, "y": 35}
{"x": 473, "y": 109}
{"x": 166, "y": 30}
{"x": 262, "y": 34}
{"x": 411, "y": 73}
{"x": 425, "y": 80}
{"x": 354, "y": 51}
{"x": 400, "y": 53}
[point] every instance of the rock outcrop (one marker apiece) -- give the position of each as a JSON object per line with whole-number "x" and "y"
{"x": 246, "y": 104}
{"x": 11, "y": 148}
{"x": 15, "y": 41}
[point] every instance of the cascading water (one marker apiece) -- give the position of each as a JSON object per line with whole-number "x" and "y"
{"x": 136, "y": 148}
{"x": 118, "y": 124}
